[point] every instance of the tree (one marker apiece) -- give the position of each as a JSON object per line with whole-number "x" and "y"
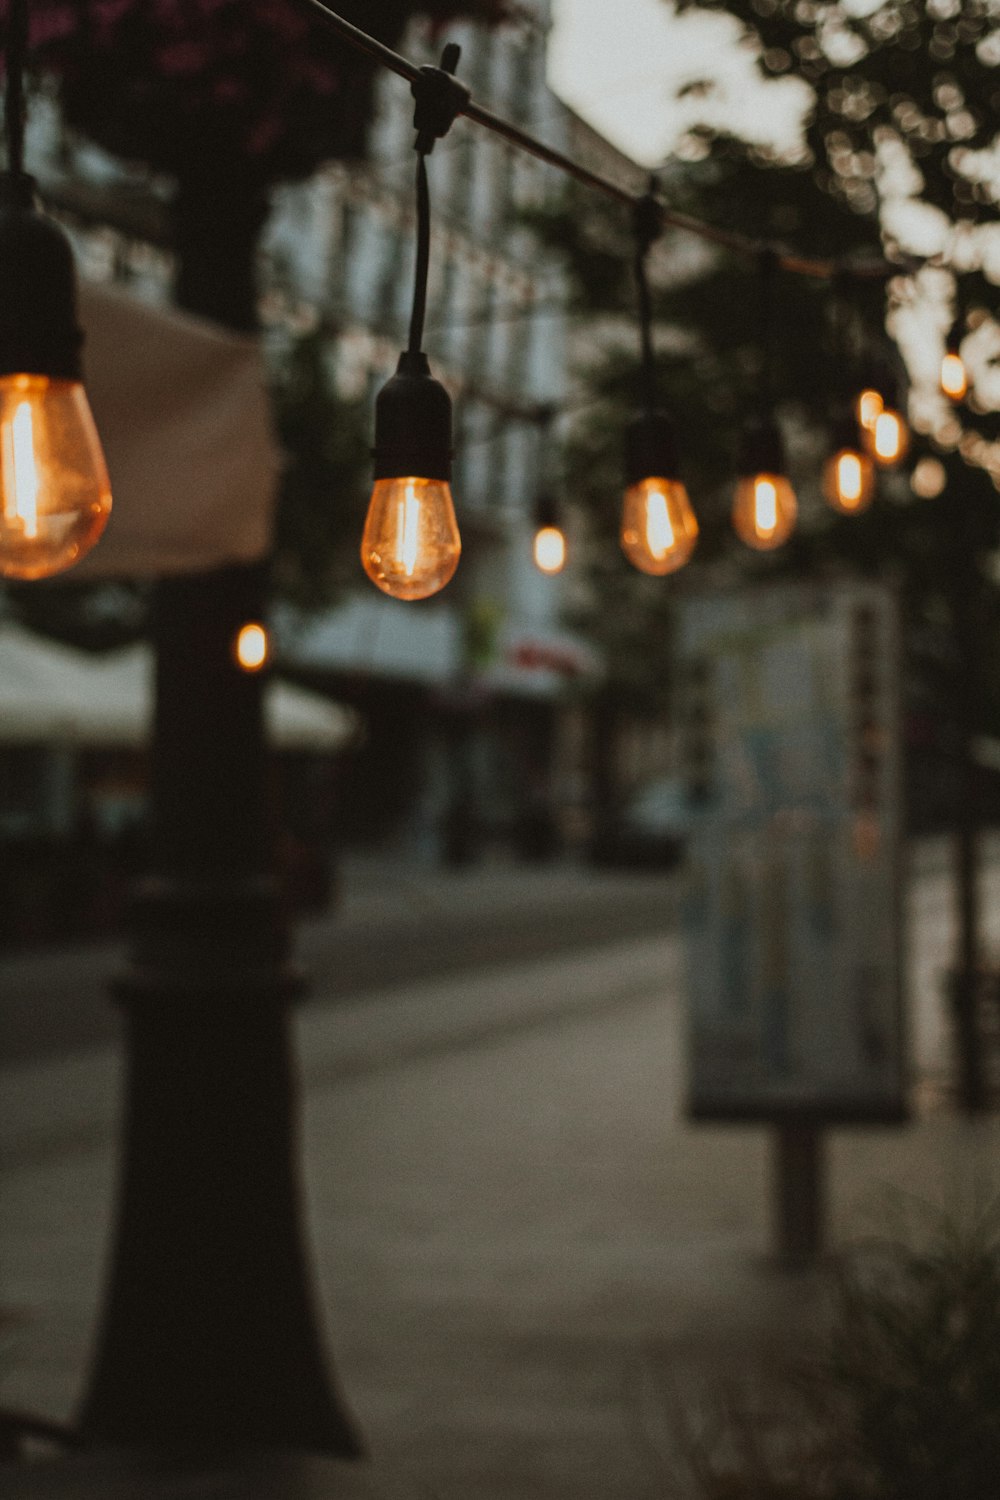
{"x": 208, "y": 1334}
{"x": 903, "y": 127}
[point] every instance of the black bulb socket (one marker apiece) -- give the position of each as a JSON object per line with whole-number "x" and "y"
{"x": 413, "y": 423}
{"x": 761, "y": 450}
{"x": 650, "y": 449}
{"x": 39, "y": 331}
{"x": 547, "y": 512}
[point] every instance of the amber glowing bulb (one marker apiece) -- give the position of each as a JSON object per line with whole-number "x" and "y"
{"x": 764, "y": 506}
{"x": 252, "y": 647}
{"x": 954, "y": 380}
{"x": 659, "y": 529}
{"x": 410, "y": 546}
{"x": 54, "y": 492}
{"x": 55, "y": 497}
{"x": 849, "y": 481}
{"x": 549, "y": 549}
{"x": 888, "y": 439}
{"x": 868, "y": 406}
{"x": 849, "y": 473}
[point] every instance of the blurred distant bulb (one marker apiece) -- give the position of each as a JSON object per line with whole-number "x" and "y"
{"x": 764, "y": 504}
{"x": 659, "y": 529}
{"x": 764, "y": 510}
{"x": 869, "y": 404}
{"x": 252, "y": 647}
{"x": 410, "y": 546}
{"x": 550, "y": 549}
{"x": 888, "y": 439}
{"x": 849, "y": 473}
{"x": 954, "y": 380}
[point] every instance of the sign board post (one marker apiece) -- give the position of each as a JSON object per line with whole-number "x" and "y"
{"x": 790, "y": 719}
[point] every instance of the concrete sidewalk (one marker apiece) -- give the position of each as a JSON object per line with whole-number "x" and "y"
{"x": 526, "y": 1257}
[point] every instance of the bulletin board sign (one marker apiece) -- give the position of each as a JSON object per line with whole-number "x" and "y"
{"x": 790, "y": 732}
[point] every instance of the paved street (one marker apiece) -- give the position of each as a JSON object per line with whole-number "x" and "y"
{"x": 394, "y": 924}
{"x": 527, "y": 1258}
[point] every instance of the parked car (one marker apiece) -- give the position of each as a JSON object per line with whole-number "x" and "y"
{"x": 650, "y": 829}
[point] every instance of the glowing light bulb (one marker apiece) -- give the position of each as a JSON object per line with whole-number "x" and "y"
{"x": 252, "y": 647}
{"x": 869, "y": 405}
{"x": 765, "y": 510}
{"x": 887, "y": 440}
{"x": 659, "y": 529}
{"x": 954, "y": 380}
{"x": 550, "y": 549}
{"x": 55, "y": 497}
{"x": 410, "y": 546}
{"x": 849, "y": 481}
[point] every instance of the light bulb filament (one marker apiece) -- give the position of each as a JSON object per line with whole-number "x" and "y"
{"x": 550, "y": 549}
{"x": 659, "y": 532}
{"x": 849, "y": 478}
{"x": 20, "y": 472}
{"x": 887, "y": 436}
{"x": 408, "y": 530}
{"x": 765, "y": 497}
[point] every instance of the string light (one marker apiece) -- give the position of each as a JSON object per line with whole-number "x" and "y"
{"x": 885, "y": 435}
{"x": 410, "y": 546}
{"x": 55, "y": 496}
{"x": 764, "y": 504}
{"x": 659, "y": 529}
{"x": 549, "y": 545}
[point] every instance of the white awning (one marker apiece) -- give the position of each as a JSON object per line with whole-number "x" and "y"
{"x": 183, "y": 415}
{"x": 55, "y": 694}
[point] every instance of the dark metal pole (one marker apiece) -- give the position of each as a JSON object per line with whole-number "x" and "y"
{"x": 209, "y": 1335}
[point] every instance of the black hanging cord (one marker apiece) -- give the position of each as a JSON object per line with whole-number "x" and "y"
{"x": 768, "y": 264}
{"x": 439, "y": 100}
{"x": 423, "y": 258}
{"x": 647, "y": 226}
{"x": 14, "y": 106}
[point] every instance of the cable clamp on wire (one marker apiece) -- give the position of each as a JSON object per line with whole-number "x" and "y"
{"x": 440, "y": 100}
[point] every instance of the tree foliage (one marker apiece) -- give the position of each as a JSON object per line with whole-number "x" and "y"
{"x": 897, "y": 150}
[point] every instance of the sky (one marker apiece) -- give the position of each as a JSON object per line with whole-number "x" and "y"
{"x": 620, "y": 63}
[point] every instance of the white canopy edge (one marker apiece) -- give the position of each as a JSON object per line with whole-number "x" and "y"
{"x": 55, "y": 694}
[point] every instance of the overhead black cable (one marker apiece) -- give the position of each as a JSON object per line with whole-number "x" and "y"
{"x": 822, "y": 268}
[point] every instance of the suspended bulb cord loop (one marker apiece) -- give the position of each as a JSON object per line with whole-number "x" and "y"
{"x": 768, "y": 263}
{"x": 14, "y": 106}
{"x": 647, "y": 226}
{"x": 440, "y": 99}
{"x": 423, "y": 258}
